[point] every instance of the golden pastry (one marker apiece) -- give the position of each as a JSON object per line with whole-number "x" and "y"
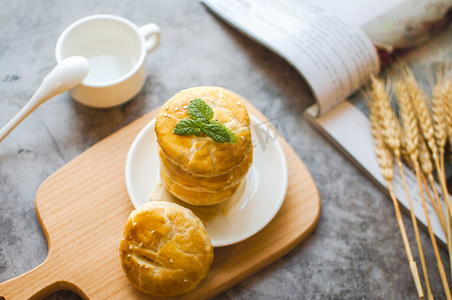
{"x": 196, "y": 196}
{"x": 212, "y": 184}
{"x": 201, "y": 155}
{"x": 165, "y": 250}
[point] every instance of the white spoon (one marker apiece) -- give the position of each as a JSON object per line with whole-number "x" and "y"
{"x": 66, "y": 75}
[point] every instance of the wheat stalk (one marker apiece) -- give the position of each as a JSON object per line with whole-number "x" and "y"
{"x": 411, "y": 138}
{"x": 440, "y": 106}
{"x": 428, "y": 132}
{"x": 385, "y": 162}
{"x": 432, "y": 200}
{"x": 427, "y": 128}
{"x": 448, "y": 109}
{"x": 446, "y": 82}
{"x": 439, "y": 116}
{"x": 412, "y": 143}
{"x": 439, "y": 102}
{"x": 433, "y": 240}
{"x": 392, "y": 131}
{"x": 427, "y": 169}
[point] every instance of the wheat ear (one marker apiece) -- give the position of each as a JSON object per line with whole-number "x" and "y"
{"x": 423, "y": 115}
{"x": 427, "y": 128}
{"x": 411, "y": 137}
{"x": 440, "y": 99}
{"x": 448, "y": 109}
{"x": 426, "y": 125}
{"x": 440, "y": 103}
{"x": 392, "y": 135}
{"x": 385, "y": 162}
{"x": 411, "y": 134}
{"x": 439, "y": 118}
{"x": 446, "y": 80}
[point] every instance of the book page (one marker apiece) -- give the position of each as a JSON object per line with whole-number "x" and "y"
{"x": 358, "y": 13}
{"x": 334, "y": 57}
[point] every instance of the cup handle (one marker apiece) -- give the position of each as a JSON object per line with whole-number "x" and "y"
{"x": 151, "y": 34}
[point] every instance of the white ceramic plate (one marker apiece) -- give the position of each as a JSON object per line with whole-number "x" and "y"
{"x": 262, "y": 193}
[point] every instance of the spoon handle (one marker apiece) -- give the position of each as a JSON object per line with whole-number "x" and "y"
{"x": 66, "y": 75}
{"x": 31, "y": 105}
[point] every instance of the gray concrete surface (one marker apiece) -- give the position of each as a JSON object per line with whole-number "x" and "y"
{"x": 355, "y": 252}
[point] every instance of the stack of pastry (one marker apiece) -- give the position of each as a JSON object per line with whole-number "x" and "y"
{"x": 165, "y": 249}
{"x": 197, "y": 169}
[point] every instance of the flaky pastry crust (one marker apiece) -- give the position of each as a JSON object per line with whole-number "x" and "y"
{"x": 202, "y": 156}
{"x": 211, "y": 184}
{"x": 194, "y": 196}
{"x": 165, "y": 250}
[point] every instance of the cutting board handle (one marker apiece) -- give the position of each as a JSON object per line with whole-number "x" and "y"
{"x": 37, "y": 283}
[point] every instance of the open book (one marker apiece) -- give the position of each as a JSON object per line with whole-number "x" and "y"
{"x": 336, "y": 46}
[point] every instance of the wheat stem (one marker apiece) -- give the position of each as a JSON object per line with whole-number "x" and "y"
{"x": 448, "y": 108}
{"x": 427, "y": 168}
{"x": 432, "y": 236}
{"x": 432, "y": 200}
{"x": 391, "y": 132}
{"x": 432, "y": 181}
{"x": 385, "y": 162}
{"x": 427, "y": 128}
{"x": 416, "y": 231}
{"x": 448, "y": 121}
{"x": 439, "y": 103}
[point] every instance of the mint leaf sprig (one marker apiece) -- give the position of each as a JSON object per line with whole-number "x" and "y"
{"x": 201, "y": 122}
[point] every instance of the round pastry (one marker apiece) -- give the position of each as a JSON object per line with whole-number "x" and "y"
{"x": 165, "y": 250}
{"x": 212, "y": 184}
{"x": 201, "y": 155}
{"x": 196, "y": 196}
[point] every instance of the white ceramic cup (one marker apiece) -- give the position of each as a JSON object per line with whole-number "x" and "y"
{"x": 116, "y": 50}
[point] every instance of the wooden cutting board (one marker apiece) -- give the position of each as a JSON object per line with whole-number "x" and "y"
{"x": 83, "y": 208}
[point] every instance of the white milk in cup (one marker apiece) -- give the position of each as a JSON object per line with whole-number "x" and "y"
{"x": 116, "y": 50}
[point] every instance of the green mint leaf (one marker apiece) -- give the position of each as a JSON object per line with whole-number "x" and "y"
{"x": 232, "y": 136}
{"x": 199, "y": 110}
{"x": 216, "y": 132}
{"x": 201, "y": 121}
{"x": 188, "y": 127}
